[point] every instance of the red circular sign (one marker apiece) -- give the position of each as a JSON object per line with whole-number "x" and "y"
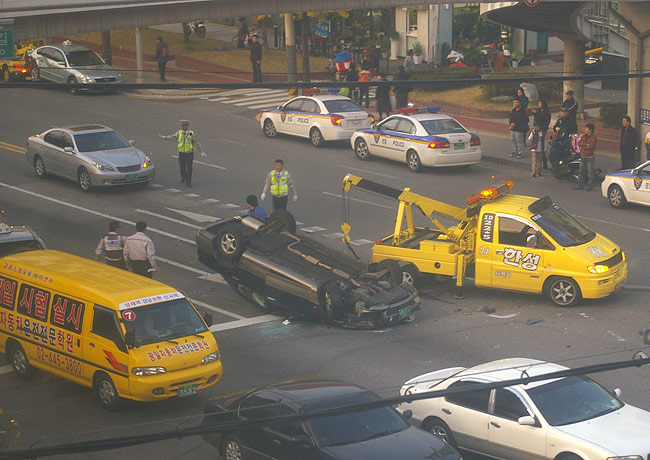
{"x": 531, "y": 3}
{"x": 128, "y": 315}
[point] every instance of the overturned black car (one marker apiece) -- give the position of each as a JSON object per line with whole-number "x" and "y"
{"x": 270, "y": 265}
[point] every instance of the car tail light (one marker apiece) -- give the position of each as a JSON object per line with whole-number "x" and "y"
{"x": 372, "y": 118}
{"x": 336, "y": 120}
{"x": 439, "y": 144}
{"x": 476, "y": 141}
{"x": 27, "y": 145}
{"x": 23, "y": 70}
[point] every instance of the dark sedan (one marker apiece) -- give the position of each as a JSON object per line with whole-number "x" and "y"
{"x": 269, "y": 264}
{"x": 375, "y": 434}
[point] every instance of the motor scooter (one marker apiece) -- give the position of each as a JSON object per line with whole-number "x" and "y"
{"x": 564, "y": 157}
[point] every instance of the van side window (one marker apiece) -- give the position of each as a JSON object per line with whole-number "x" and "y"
{"x": 514, "y": 232}
{"x": 104, "y": 325}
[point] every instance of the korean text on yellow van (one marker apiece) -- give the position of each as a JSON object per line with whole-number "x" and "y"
{"x": 121, "y": 334}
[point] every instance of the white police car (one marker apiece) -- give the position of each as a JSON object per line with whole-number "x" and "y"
{"x": 629, "y": 186}
{"x": 419, "y": 137}
{"x": 319, "y": 117}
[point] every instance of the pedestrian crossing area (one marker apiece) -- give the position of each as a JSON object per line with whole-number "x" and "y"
{"x": 256, "y": 98}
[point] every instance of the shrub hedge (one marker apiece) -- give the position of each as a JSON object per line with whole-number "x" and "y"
{"x": 612, "y": 113}
{"x": 443, "y": 73}
{"x": 548, "y": 90}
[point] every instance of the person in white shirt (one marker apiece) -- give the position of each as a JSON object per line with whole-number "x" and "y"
{"x": 140, "y": 253}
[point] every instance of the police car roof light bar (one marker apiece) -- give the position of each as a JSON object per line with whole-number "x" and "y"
{"x": 427, "y": 109}
{"x": 310, "y": 91}
{"x": 333, "y": 90}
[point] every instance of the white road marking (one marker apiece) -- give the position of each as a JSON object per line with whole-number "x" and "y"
{"x": 268, "y": 104}
{"x": 203, "y": 273}
{"x": 195, "y": 216}
{"x": 216, "y": 277}
{"x": 614, "y": 223}
{"x": 228, "y": 206}
{"x": 334, "y": 235}
{"x": 369, "y": 172}
{"x": 236, "y": 324}
{"x": 360, "y": 242}
{"x": 155, "y": 185}
{"x": 218, "y": 99}
{"x": 172, "y": 190}
{"x": 210, "y": 200}
{"x": 260, "y": 100}
{"x": 232, "y": 142}
{"x": 313, "y": 229}
{"x": 217, "y": 309}
{"x": 360, "y": 201}
{"x": 171, "y": 219}
{"x": 242, "y": 91}
{"x": 203, "y": 163}
{"x": 6, "y": 369}
{"x": 191, "y": 195}
{"x": 91, "y": 211}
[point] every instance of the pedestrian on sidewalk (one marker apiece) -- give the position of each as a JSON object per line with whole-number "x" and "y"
{"x": 352, "y": 75}
{"x": 256, "y": 58}
{"x": 162, "y": 56}
{"x": 518, "y": 129}
{"x": 364, "y": 76}
{"x": 383, "y": 96}
{"x": 521, "y": 95}
{"x": 629, "y": 143}
{"x": 409, "y": 62}
{"x": 402, "y": 89}
{"x": 254, "y": 209}
{"x": 537, "y": 149}
{"x": 187, "y": 142}
{"x": 140, "y": 253}
{"x": 571, "y": 107}
{"x": 542, "y": 116}
{"x": 587, "y": 144}
{"x": 278, "y": 182}
{"x": 111, "y": 246}
{"x": 242, "y": 32}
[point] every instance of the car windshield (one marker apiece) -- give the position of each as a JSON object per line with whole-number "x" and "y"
{"x": 342, "y": 105}
{"x": 573, "y": 400}
{"x": 442, "y": 126}
{"x": 163, "y": 321}
{"x": 14, "y": 247}
{"x": 563, "y": 228}
{"x": 103, "y": 140}
{"x": 357, "y": 426}
{"x": 83, "y": 58}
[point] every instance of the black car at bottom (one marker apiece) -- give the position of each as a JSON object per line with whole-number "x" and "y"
{"x": 373, "y": 434}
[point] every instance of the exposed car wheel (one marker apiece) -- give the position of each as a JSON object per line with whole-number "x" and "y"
{"x": 440, "y": 429}
{"x": 83, "y": 178}
{"x": 39, "y": 167}
{"x": 229, "y": 245}
{"x": 413, "y": 161}
{"x": 72, "y": 81}
{"x": 105, "y": 392}
{"x": 35, "y": 73}
{"x": 616, "y": 197}
{"x": 331, "y": 305}
{"x": 232, "y": 449}
{"x": 6, "y": 75}
{"x": 411, "y": 275}
{"x": 283, "y": 219}
{"x": 361, "y": 149}
{"x": 269, "y": 128}
{"x": 19, "y": 361}
{"x": 316, "y": 137}
{"x": 393, "y": 268}
{"x": 570, "y": 457}
{"x": 563, "y": 292}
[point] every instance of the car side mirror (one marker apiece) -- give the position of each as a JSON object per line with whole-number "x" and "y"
{"x": 207, "y": 317}
{"x": 531, "y": 241}
{"x": 131, "y": 141}
{"x": 617, "y": 392}
{"x": 301, "y": 440}
{"x": 374, "y": 126}
{"x": 129, "y": 339}
{"x": 68, "y": 149}
{"x": 407, "y": 414}
{"x": 526, "y": 420}
{"x": 635, "y": 172}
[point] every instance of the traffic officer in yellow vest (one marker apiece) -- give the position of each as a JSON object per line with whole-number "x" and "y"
{"x": 111, "y": 246}
{"x": 187, "y": 143}
{"x": 279, "y": 182}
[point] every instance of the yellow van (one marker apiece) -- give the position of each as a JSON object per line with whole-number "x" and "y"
{"x": 123, "y": 335}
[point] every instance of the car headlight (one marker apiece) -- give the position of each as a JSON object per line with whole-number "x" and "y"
{"x": 143, "y": 371}
{"x": 86, "y": 79}
{"x": 102, "y": 167}
{"x": 597, "y": 268}
{"x": 147, "y": 163}
{"x": 211, "y": 357}
{"x": 626, "y": 457}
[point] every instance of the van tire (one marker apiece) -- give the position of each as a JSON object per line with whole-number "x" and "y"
{"x": 105, "y": 392}
{"x": 562, "y": 291}
{"x": 411, "y": 275}
{"x": 19, "y": 361}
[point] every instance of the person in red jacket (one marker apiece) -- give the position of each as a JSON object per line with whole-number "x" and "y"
{"x": 587, "y": 145}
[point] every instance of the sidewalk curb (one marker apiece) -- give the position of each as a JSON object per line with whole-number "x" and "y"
{"x": 508, "y": 162}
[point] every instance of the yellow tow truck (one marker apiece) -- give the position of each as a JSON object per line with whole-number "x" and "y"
{"x": 20, "y": 66}
{"x": 502, "y": 240}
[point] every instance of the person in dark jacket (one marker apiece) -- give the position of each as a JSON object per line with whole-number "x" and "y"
{"x": 353, "y": 75}
{"x": 402, "y": 89}
{"x": 629, "y": 143}
{"x": 162, "y": 56}
{"x": 571, "y": 106}
{"x": 521, "y": 95}
{"x": 383, "y": 98}
{"x": 256, "y": 59}
{"x": 518, "y": 128}
{"x": 542, "y": 117}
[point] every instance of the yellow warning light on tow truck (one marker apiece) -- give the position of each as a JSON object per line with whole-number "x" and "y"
{"x": 491, "y": 192}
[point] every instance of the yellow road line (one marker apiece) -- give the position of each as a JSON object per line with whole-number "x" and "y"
{"x": 5, "y": 146}
{"x": 13, "y": 146}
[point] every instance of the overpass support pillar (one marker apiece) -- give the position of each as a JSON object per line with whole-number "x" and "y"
{"x": 574, "y": 64}
{"x": 290, "y": 43}
{"x": 139, "y": 55}
{"x": 106, "y": 47}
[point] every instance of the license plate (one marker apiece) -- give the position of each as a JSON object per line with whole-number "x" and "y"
{"x": 459, "y": 146}
{"x": 404, "y": 312}
{"x": 357, "y": 123}
{"x": 131, "y": 177}
{"x": 187, "y": 390}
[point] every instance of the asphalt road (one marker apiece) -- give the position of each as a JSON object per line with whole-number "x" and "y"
{"x": 485, "y": 325}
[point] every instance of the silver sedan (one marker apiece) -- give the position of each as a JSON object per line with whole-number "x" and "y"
{"x": 92, "y": 155}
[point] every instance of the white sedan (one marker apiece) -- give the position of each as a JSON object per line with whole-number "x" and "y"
{"x": 629, "y": 186}
{"x": 419, "y": 138}
{"x": 320, "y": 118}
{"x": 571, "y": 418}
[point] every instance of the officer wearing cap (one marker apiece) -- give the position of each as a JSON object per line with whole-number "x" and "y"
{"x": 111, "y": 246}
{"x": 570, "y": 105}
{"x": 187, "y": 142}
